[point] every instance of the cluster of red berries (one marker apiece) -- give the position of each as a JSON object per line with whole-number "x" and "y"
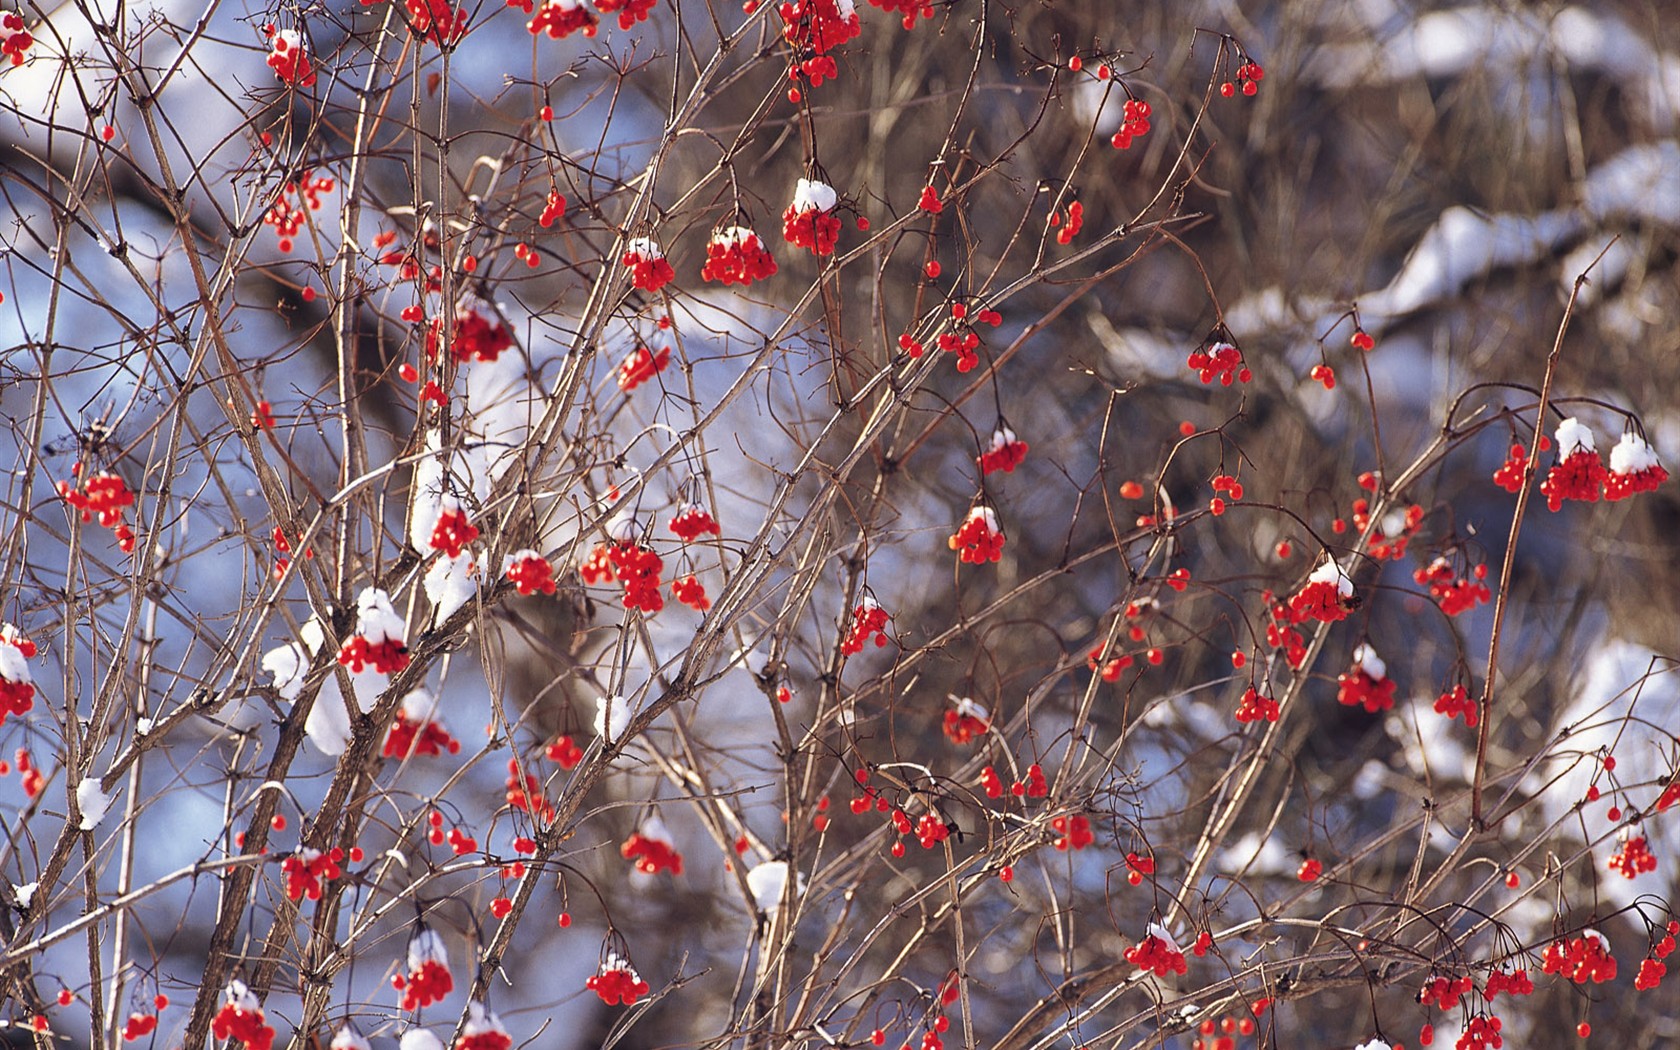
{"x": 966, "y": 721}
{"x": 559, "y": 18}
{"x": 1157, "y": 953}
{"x": 819, "y": 25}
{"x": 17, "y": 687}
{"x": 1310, "y": 870}
{"x": 1457, "y": 701}
{"x": 1445, "y": 992}
{"x": 1509, "y": 476}
{"x": 306, "y": 869}
{"x": 530, "y": 572}
{"x": 963, "y": 344}
{"x": 565, "y": 752}
{"x": 1650, "y": 975}
{"x": 1322, "y": 598}
{"x": 1384, "y": 547}
{"x": 435, "y": 22}
{"x": 105, "y": 495}
{"x": 1134, "y": 124}
{"x": 930, "y": 830}
{"x": 1075, "y": 223}
{"x": 1221, "y": 1034}
{"x": 735, "y": 255}
{"x": 629, "y": 11}
{"x": 1455, "y": 594}
{"x": 649, "y": 269}
{"x": 638, "y": 568}
{"x": 691, "y": 592}
{"x": 1578, "y": 473}
{"x": 1633, "y": 468}
{"x": 617, "y": 981}
{"x": 1511, "y": 982}
{"x": 810, "y": 222}
{"x": 413, "y": 733}
{"x": 652, "y": 854}
{"x": 693, "y": 521}
{"x": 1481, "y": 1033}
{"x": 868, "y": 620}
{"x": 1581, "y": 959}
{"x": 1072, "y": 832}
{"x": 642, "y": 365}
{"x": 1034, "y": 786}
{"x": 524, "y": 792}
{"x": 911, "y": 9}
{"x": 553, "y": 209}
{"x": 1633, "y": 857}
{"x": 1255, "y": 707}
{"x": 138, "y": 1026}
{"x": 1230, "y": 486}
{"x": 1005, "y": 453}
{"x": 1110, "y": 667}
{"x": 15, "y": 39}
{"x": 479, "y": 335}
{"x": 287, "y": 58}
{"x": 979, "y": 539}
{"x": 1138, "y": 867}
{"x": 288, "y": 217}
{"x": 1323, "y": 373}
{"x": 929, "y": 201}
{"x": 1358, "y": 687}
{"x": 1219, "y": 359}
{"x": 428, "y": 979}
{"x": 241, "y": 1018}
{"x": 1249, "y": 75}
{"x": 453, "y": 530}
{"x": 389, "y": 656}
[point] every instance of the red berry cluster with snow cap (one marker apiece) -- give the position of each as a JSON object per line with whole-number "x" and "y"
{"x": 17, "y": 686}
{"x": 1221, "y": 360}
{"x": 529, "y": 571}
{"x": 1583, "y": 958}
{"x": 416, "y": 729}
{"x": 1005, "y": 452}
{"x": 287, "y": 58}
{"x": 1157, "y": 952}
{"x": 968, "y": 720}
{"x": 428, "y": 979}
{"x": 240, "y": 1018}
{"x": 1327, "y": 595}
{"x": 483, "y": 1030}
{"x": 617, "y": 981}
{"x": 1578, "y": 473}
{"x": 378, "y": 641}
{"x": 736, "y": 255}
{"x": 809, "y": 221}
{"x": 979, "y": 539}
{"x": 1366, "y": 683}
{"x": 1633, "y": 468}
{"x": 868, "y": 620}
{"x": 649, "y": 269}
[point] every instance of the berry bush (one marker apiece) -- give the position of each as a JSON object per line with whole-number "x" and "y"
{"x": 468, "y": 581}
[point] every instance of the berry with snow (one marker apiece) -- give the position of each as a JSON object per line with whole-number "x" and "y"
{"x": 1157, "y": 952}
{"x": 17, "y": 686}
{"x": 287, "y": 58}
{"x": 1221, "y": 360}
{"x": 736, "y": 255}
{"x": 979, "y": 539}
{"x": 1327, "y": 595}
{"x": 241, "y": 1018}
{"x": 819, "y": 26}
{"x": 649, "y": 269}
{"x": 1005, "y": 452}
{"x": 653, "y": 849}
{"x": 1583, "y": 958}
{"x": 483, "y": 1031}
{"x": 809, "y": 221}
{"x": 416, "y": 730}
{"x": 1366, "y": 683}
{"x": 378, "y": 641}
{"x": 617, "y": 981}
{"x": 868, "y": 620}
{"x": 529, "y": 571}
{"x": 1578, "y": 473}
{"x": 428, "y": 979}
{"x": 1633, "y": 468}
{"x": 966, "y": 721}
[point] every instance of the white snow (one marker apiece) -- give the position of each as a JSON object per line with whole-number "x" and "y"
{"x": 767, "y": 881}
{"x": 450, "y": 583}
{"x": 93, "y": 802}
{"x": 612, "y": 718}
{"x": 1632, "y": 455}
{"x": 811, "y": 194}
{"x": 419, "y": 1039}
{"x": 13, "y": 667}
{"x": 1573, "y": 436}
